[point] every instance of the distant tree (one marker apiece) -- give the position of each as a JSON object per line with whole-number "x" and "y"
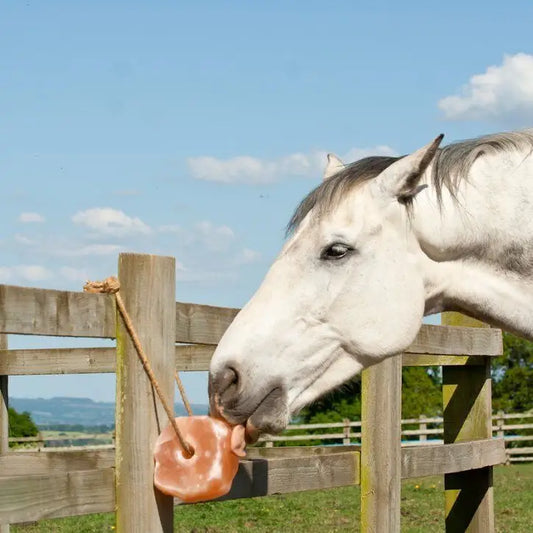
{"x": 344, "y": 402}
{"x": 513, "y": 376}
{"x": 421, "y": 394}
{"x": 21, "y": 424}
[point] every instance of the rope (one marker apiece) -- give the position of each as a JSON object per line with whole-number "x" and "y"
{"x": 112, "y": 286}
{"x": 184, "y": 398}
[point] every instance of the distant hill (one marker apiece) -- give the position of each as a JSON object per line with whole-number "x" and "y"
{"x": 78, "y": 410}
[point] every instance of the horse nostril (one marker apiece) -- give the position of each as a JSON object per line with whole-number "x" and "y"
{"x": 228, "y": 378}
{"x": 224, "y": 384}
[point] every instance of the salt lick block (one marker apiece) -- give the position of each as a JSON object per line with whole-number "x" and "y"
{"x": 210, "y": 471}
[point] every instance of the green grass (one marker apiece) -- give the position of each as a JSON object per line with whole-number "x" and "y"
{"x": 327, "y": 511}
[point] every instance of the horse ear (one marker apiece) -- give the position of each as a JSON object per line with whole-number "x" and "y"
{"x": 402, "y": 178}
{"x": 333, "y": 166}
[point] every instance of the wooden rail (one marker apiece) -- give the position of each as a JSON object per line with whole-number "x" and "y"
{"x": 196, "y": 357}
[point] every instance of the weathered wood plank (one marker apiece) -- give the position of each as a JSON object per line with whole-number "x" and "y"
{"x": 260, "y": 477}
{"x": 446, "y": 340}
{"x": 35, "y": 497}
{"x": 435, "y": 460}
{"x": 193, "y": 357}
{"x": 48, "y": 463}
{"x": 434, "y": 345}
{"x": 411, "y": 359}
{"x": 202, "y": 324}
{"x": 30, "y": 311}
{"x": 57, "y": 361}
{"x": 468, "y": 416}
{"x": 381, "y": 446}
{"x": 28, "y": 498}
{"x": 285, "y": 452}
{"x": 147, "y": 288}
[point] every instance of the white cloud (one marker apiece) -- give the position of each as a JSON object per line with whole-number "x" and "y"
{"x": 502, "y": 91}
{"x": 5, "y": 274}
{"x": 73, "y": 274}
{"x": 171, "y": 228}
{"x": 252, "y": 170}
{"x": 32, "y": 272}
{"x": 22, "y": 239}
{"x": 108, "y": 221}
{"x": 31, "y": 217}
{"x": 247, "y": 256}
{"x": 88, "y": 250}
{"x": 25, "y": 273}
{"x": 213, "y": 238}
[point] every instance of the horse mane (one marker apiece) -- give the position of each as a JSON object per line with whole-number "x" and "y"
{"x": 450, "y": 166}
{"x": 452, "y": 163}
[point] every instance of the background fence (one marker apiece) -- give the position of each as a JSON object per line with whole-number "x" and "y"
{"x": 512, "y": 427}
{"x": 47, "y": 484}
{"x": 517, "y": 436}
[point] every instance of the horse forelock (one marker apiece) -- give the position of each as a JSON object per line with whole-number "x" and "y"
{"x": 326, "y": 197}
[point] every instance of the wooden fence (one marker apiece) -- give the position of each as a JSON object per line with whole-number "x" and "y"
{"x": 348, "y": 432}
{"x": 47, "y": 484}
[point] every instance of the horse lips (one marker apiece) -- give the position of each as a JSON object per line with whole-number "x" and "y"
{"x": 209, "y": 473}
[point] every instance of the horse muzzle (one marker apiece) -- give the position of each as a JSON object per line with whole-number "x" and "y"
{"x": 261, "y": 409}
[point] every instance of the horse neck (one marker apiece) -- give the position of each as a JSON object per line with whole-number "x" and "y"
{"x": 488, "y": 214}
{"x": 478, "y": 247}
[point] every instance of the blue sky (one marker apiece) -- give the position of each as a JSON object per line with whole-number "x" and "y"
{"x": 193, "y": 129}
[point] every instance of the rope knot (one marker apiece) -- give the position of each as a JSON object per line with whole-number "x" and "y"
{"x": 110, "y": 285}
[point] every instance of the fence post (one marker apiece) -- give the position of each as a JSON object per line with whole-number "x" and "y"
{"x": 4, "y": 418}
{"x": 148, "y": 289}
{"x": 467, "y": 416}
{"x": 381, "y": 446}
{"x": 422, "y": 426}
{"x": 346, "y": 431}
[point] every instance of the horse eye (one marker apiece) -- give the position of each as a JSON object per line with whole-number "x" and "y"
{"x": 335, "y": 251}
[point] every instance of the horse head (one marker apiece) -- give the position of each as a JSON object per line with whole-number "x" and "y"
{"x": 346, "y": 291}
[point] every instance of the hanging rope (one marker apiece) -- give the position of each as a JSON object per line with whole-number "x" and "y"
{"x": 184, "y": 398}
{"x": 112, "y": 286}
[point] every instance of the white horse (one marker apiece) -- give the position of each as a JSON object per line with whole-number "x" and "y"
{"x": 378, "y": 245}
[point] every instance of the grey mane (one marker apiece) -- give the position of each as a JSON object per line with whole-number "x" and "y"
{"x": 451, "y": 165}
{"x": 453, "y": 162}
{"x": 328, "y": 194}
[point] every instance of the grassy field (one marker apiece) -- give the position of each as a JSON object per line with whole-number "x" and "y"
{"x": 327, "y": 511}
